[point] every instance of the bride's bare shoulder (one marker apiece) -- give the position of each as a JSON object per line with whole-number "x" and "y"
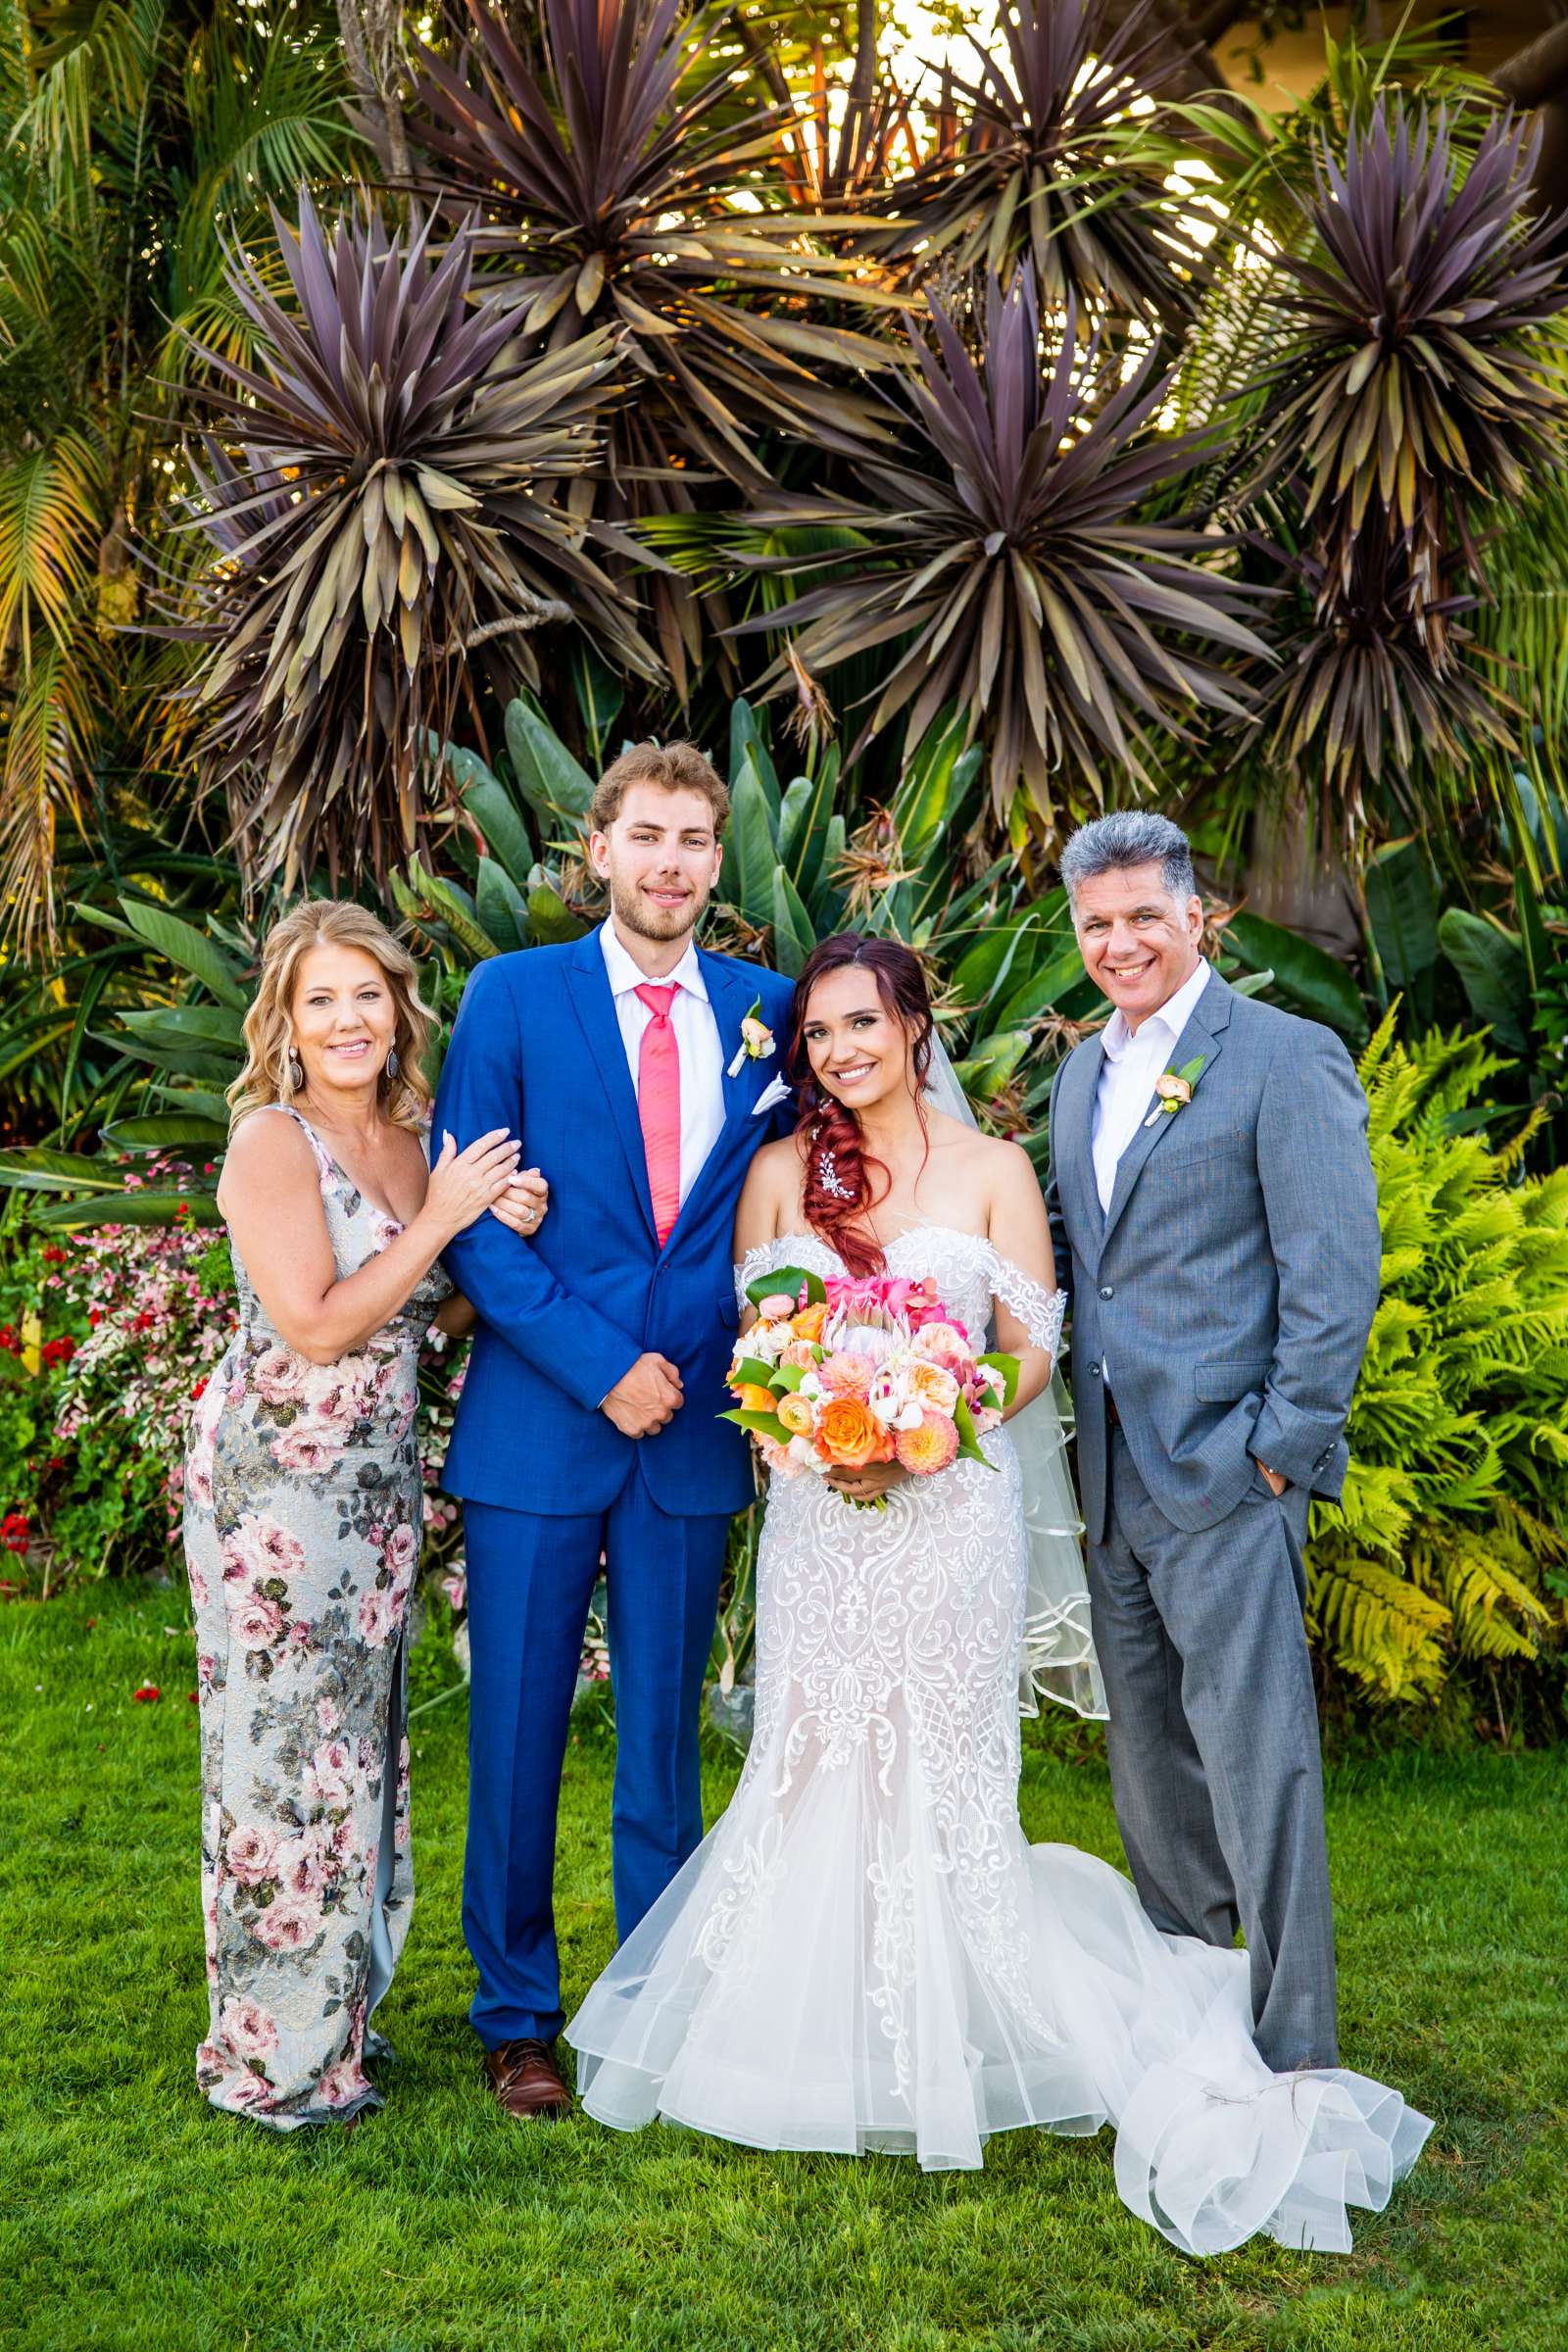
{"x": 988, "y": 1157}
{"x": 776, "y": 1164}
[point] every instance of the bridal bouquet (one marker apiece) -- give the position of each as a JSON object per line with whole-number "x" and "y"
{"x": 836, "y": 1374}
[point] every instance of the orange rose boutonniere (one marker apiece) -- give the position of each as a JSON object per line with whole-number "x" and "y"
{"x": 1175, "y": 1088}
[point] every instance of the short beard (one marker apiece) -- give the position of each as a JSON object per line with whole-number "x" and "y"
{"x": 643, "y": 923}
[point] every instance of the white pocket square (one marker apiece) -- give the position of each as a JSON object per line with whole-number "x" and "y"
{"x": 774, "y": 1093}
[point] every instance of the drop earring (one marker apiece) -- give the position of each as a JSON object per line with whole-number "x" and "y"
{"x": 296, "y": 1071}
{"x": 392, "y": 1062}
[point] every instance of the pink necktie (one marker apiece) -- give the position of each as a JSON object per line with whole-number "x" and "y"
{"x": 659, "y": 1105}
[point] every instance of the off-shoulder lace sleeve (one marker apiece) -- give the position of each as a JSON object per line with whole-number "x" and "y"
{"x": 1039, "y": 1310}
{"x": 784, "y": 1249}
{"x": 760, "y": 1260}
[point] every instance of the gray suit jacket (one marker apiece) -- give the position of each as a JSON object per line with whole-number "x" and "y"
{"x": 1232, "y": 1285}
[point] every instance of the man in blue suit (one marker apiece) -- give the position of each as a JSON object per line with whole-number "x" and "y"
{"x": 588, "y": 1426}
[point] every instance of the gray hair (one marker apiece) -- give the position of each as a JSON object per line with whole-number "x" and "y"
{"x": 1130, "y": 837}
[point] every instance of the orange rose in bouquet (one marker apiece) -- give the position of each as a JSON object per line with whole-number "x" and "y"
{"x": 848, "y": 1434}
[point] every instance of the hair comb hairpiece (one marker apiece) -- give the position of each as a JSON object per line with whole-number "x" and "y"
{"x": 828, "y": 1177}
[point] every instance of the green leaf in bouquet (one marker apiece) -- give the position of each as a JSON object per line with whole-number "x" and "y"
{"x": 1007, "y": 1366}
{"x": 788, "y": 1281}
{"x": 753, "y": 1373}
{"x": 788, "y": 1377}
{"x": 969, "y": 1447}
{"x": 762, "y": 1425}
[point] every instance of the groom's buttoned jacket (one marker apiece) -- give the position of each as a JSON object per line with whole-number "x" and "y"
{"x": 538, "y": 1048}
{"x": 1231, "y": 1284}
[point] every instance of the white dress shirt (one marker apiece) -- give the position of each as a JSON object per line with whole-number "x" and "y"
{"x": 696, "y": 1040}
{"x": 1131, "y": 1064}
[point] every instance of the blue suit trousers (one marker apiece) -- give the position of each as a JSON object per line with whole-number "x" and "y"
{"x": 531, "y": 1583}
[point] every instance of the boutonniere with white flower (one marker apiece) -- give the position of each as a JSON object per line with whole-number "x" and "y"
{"x": 1175, "y": 1088}
{"x": 757, "y": 1041}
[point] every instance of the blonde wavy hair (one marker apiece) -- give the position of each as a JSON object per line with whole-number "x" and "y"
{"x": 269, "y": 1075}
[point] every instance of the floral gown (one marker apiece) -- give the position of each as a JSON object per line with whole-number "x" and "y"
{"x": 303, "y": 1517}
{"x": 867, "y": 1953}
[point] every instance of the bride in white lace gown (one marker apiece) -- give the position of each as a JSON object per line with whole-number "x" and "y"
{"x": 865, "y": 1953}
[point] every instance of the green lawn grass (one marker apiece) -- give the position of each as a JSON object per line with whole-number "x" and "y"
{"x": 135, "y": 2216}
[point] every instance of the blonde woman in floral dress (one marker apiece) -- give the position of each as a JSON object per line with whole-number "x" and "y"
{"x": 304, "y": 1509}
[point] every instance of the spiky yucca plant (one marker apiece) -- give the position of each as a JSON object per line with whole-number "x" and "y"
{"x": 381, "y": 493}
{"x": 1417, "y": 377}
{"x": 1002, "y": 540}
{"x": 610, "y": 163}
{"x": 1052, "y": 160}
{"x": 1416, "y": 381}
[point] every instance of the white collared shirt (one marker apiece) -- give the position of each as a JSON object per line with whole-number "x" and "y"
{"x": 696, "y": 1040}
{"x": 1127, "y": 1073}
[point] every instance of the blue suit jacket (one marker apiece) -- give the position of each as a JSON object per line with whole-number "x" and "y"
{"x": 537, "y": 1049}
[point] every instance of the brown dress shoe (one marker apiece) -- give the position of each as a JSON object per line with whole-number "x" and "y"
{"x": 526, "y": 2080}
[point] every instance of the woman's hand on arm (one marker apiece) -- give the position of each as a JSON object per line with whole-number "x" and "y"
{"x": 523, "y": 1206}
{"x": 1020, "y": 1231}
{"x": 271, "y": 1198}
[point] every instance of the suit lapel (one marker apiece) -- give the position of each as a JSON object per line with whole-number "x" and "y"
{"x": 1208, "y": 1017}
{"x": 731, "y": 995}
{"x": 594, "y": 1003}
{"x": 1073, "y": 1143}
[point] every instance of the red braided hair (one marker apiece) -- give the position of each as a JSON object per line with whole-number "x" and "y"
{"x": 841, "y": 1191}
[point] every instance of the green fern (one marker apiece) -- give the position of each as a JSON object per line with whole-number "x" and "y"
{"x": 1450, "y": 1542}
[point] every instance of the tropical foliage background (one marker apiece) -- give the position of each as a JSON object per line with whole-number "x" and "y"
{"x": 397, "y": 414}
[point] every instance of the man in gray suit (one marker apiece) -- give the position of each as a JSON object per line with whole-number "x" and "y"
{"x": 1217, "y": 1224}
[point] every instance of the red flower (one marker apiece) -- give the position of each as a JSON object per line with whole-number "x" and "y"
{"x": 195, "y": 1394}
{"x": 59, "y": 1352}
{"x": 94, "y": 1316}
{"x": 10, "y": 1338}
{"x": 53, "y": 1257}
{"x": 16, "y": 1534}
{"x": 149, "y": 1693}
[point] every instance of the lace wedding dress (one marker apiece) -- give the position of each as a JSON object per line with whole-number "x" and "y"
{"x": 865, "y": 1953}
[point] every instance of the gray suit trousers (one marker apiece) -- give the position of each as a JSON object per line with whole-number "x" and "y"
{"x": 1213, "y": 1737}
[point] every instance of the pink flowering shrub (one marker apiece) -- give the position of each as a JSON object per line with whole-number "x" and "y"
{"x": 108, "y": 1339}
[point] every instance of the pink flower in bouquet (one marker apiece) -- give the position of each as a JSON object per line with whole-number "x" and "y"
{"x": 933, "y": 1384}
{"x": 931, "y": 1448}
{"x": 777, "y": 1456}
{"x": 945, "y": 1344}
{"x": 248, "y": 2030}
{"x": 847, "y": 1374}
{"x": 251, "y": 1854}
{"x": 776, "y": 1307}
{"x": 802, "y": 1354}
